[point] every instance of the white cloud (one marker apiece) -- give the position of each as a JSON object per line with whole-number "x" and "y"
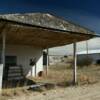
{"x": 85, "y": 19}
{"x": 93, "y": 44}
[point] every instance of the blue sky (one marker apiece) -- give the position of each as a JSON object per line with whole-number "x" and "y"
{"x": 83, "y": 12}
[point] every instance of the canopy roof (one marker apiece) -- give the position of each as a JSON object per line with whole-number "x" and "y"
{"x": 41, "y": 30}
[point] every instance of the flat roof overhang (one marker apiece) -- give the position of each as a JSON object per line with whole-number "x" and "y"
{"x": 19, "y": 33}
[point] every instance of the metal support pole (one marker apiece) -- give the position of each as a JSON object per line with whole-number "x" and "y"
{"x": 74, "y": 65}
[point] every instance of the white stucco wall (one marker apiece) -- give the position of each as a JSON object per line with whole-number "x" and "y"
{"x": 24, "y": 54}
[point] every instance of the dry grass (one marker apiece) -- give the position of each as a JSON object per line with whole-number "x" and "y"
{"x": 60, "y": 75}
{"x": 63, "y": 75}
{"x": 9, "y": 93}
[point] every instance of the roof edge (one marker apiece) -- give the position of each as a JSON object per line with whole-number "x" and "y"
{"x": 52, "y": 29}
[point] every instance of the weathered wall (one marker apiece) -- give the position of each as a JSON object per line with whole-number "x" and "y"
{"x": 24, "y": 54}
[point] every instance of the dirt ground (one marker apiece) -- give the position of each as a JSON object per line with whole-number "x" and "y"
{"x": 86, "y": 92}
{"x": 88, "y": 87}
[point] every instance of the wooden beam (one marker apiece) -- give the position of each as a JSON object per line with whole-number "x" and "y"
{"x": 74, "y": 64}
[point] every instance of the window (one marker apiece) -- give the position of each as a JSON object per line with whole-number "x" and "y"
{"x": 11, "y": 60}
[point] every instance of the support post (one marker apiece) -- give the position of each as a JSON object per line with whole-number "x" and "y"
{"x": 74, "y": 64}
{"x": 87, "y": 46}
{"x": 3, "y": 48}
{"x": 47, "y": 62}
{"x": 2, "y": 65}
{"x": 35, "y": 70}
{"x": 87, "y": 50}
